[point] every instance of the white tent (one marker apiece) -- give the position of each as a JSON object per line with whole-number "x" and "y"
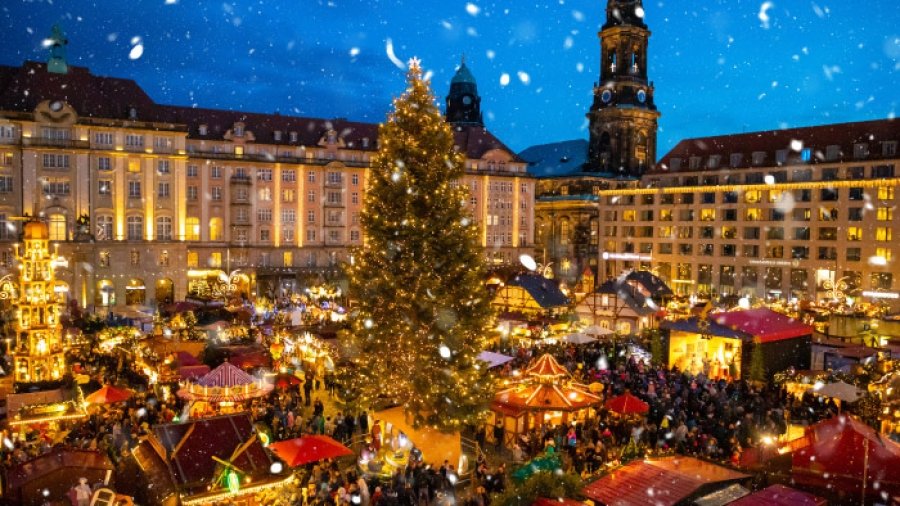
{"x": 579, "y": 338}
{"x": 840, "y": 390}
{"x": 595, "y": 330}
{"x": 494, "y": 359}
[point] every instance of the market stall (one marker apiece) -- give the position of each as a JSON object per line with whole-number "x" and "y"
{"x": 223, "y": 390}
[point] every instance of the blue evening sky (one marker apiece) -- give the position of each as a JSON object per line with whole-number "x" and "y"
{"x": 720, "y": 66}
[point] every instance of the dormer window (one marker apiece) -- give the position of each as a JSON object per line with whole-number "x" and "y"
{"x": 888, "y": 148}
{"x": 860, "y": 150}
{"x": 675, "y": 163}
{"x": 832, "y": 152}
{"x": 238, "y": 130}
{"x": 806, "y": 154}
{"x": 759, "y": 157}
{"x": 332, "y": 137}
{"x": 781, "y": 156}
{"x": 365, "y": 142}
{"x": 132, "y": 113}
{"x": 695, "y": 162}
{"x": 713, "y": 162}
{"x": 203, "y": 129}
{"x": 736, "y": 159}
{"x": 293, "y": 136}
{"x": 277, "y": 135}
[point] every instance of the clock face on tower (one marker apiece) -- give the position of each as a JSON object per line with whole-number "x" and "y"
{"x": 606, "y": 96}
{"x": 642, "y": 96}
{"x": 467, "y": 100}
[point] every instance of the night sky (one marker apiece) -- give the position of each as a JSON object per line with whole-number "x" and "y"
{"x": 720, "y": 66}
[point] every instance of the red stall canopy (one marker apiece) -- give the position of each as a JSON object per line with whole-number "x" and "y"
{"x": 843, "y": 453}
{"x": 779, "y": 495}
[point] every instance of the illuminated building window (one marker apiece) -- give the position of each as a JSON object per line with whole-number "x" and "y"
{"x": 884, "y": 253}
{"x": 57, "y": 227}
{"x": 881, "y": 280}
{"x": 193, "y": 259}
{"x": 883, "y": 234}
{"x": 287, "y": 195}
{"x": 164, "y": 228}
{"x": 774, "y": 196}
{"x": 135, "y": 228}
{"x": 885, "y": 193}
{"x": 192, "y": 229}
{"x": 854, "y": 234}
{"x": 629, "y": 215}
{"x": 215, "y": 259}
{"x": 135, "y": 257}
{"x": 134, "y": 165}
{"x": 215, "y": 229}
{"x": 164, "y": 258}
{"x": 707, "y": 215}
{"x": 104, "y": 259}
{"x": 885, "y": 214}
{"x": 288, "y": 259}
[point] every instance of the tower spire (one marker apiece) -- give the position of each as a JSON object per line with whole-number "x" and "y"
{"x": 57, "y": 44}
{"x": 463, "y": 102}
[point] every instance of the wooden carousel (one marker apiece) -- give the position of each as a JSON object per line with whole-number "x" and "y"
{"x": 545, "y": 394}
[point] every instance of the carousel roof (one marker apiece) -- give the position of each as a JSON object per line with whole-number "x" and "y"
{"x": 226, "y": 375}
{"x": 546, "y": 397}
{"x": 546, "y": 365}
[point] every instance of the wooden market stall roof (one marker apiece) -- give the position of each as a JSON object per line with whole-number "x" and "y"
{"x": 664, "y": 482}
{"x": 61, "y": 468}
{"x": 780, "y": 495}
{"x": 763, "y": 324}
{"x": 226, "y": 375}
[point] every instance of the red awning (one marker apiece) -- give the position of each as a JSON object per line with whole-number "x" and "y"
{"x": 306, "y": 449}
{"x": 627, "y": 404}
{"x": 108, "y": 395}
{"x": 763, "y": 324}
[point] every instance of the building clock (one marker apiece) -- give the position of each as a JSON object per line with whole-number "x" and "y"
{"x": 642, "y": 96}
{"x": 606, "y": 96}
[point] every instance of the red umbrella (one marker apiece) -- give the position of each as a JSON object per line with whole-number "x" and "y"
{"x": 108, "y": 395}
{"x": 306, "y": 449}
{"x": 627, "y": 404}
{"x": 285, "y": 380}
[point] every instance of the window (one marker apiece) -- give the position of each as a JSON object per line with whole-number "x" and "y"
{"x": 354, "y": 179}
{"x": 854, "y": 234}
{"x": 215, "y": 259}
{"x": 827, "y": 253}
{"x": 264, "y": 215}
{"x": 162, "y": 190}
{"x": 134, "y": 141}
{"x": 311, "y": 176}
{"x": 856, "y": 194}
{"x": 215, "y": 172}
{"x": 781, "y": 156}
{"x": 163, "y": 166}
{"x": 104, "y": 258}
{"x": 884, "y": 254}
{"x": 801, "y": 214}
{"x": 828, "y": 214}
{"x": 289, "y": 175}
{"x": 828, "y": 234}
{"x": 687, "y": 198}
{"x": 310, "y": 216}
{"x": 855, "y": 214}
{"x": 104, "y": 187}
{"x": 881, "y": 280}
{"x": 264, "y": 235}
{"x": 164, "y": 228}
{"x": 238, "y": 130}
{"x": 354, "y": 198}
{"x": 354, "y": 235}
{"x": 293, "y": 136}
{"x": 854, "y": 254}
{"x": 830, "y": 174}
{"x": 192, "y": 192}
{"x": 736, "y": 159}
{"x": 334, "y": 198}
{"x": 288, "y": 216}
{"x": 103, "y": 138}
{"x": 203, "y": 129}
{"x": 694, "y": 162}
{"x": 163, "y": 258}
{"x": 665, "y": 215}
{"x": 729, "y": 215}
{"x": 265, "y": 194}
{"x": 277, "y": 135}
{"x": 311, "y": 196}
{"x": 57, "y": 224}
{"x": 334, "y": 178}
{"x": 774, "y": 251}
{"x": 856, "y": 173}
{"x": 6, "y": 184}
{"x": 629, "y": 215}
{"x": 750, "y": 251}
{"x": 193, "y": 259}
{"x": 885, "y": 214}
{"x": 832, "y": 152}
{"x": 135, "y": 257}
{"x": 288, "y": 258}
{"x": 134, "y": 166}
{"x": 310, "y": 234}
{"x": 59, "y": 187}
{"x": 334, "y": 236}
{"x": 215, "y": 193}
{"x": 287, "y": 195}
{"x": 801, "y": 175}
{"x": 134, "y": 189}
{"x": 883, "y": 234}
{"x": 888, "y": 148}
{"x": 52, "y": 161}
{"x": 104, "y": 163}
{"x": 885, "y": 193}
{"x": 707, "y": 215}
{"x": 860, "y": 150}
{"x": 806, "y": 154}
{"x": 751, "y": 233}
{"x": 104, "y": 228}
{"x": 192, "y": 229}
{"x": 192, "y": 171}
{"x": 242, "y": 215}
{"x": 753, "y": 214}
{"x": 883, "y": 171}
{"x": 800, "y": 252}
{"x": 801, "y": 234}
{"x": 775, "y": 233}
{"x": 135, "y": 229}
{"x": 729, "y": 250}
{"x": 215, "y": 229}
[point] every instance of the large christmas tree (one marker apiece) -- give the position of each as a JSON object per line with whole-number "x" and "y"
{"x": 422, "y": 312}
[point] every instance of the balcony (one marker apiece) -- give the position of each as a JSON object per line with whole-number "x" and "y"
{"x": 241, "y": 179}
{"x": 329, "y": 183}
{"x": 40, "y": 142}
{"x": 331, "y": 203}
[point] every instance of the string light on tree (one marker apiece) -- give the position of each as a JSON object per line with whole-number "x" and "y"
{"x": 423, "y": 312}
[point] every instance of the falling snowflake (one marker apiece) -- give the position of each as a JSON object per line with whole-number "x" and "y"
{"x": 472, "y": 9}
{"x": 764, "y": 14}
{"x": 504, "y": 79}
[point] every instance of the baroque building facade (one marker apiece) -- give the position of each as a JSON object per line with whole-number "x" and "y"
{"x": 153, "y": 203}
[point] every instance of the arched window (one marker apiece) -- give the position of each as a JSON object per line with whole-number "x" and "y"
{"x": 164, "y": 228}
{"x": 58, "y": 227}
{"x": 192, "y": 229}
{"x": 104, "y": 230}
{"x": 135, "y": 230}
{"x": 564, "y": 232}
{"x": 215, "y": 229}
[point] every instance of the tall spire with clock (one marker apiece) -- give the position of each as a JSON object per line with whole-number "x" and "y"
{"x": 463, "y": 102}
{"x": 623, "y": 116}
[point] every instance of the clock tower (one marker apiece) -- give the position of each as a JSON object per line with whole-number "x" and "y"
{"x": 463, "y": 102}
{"x": 623, "y": 116}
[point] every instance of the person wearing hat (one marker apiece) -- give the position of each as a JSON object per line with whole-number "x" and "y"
{"x": 83, "y": 492}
